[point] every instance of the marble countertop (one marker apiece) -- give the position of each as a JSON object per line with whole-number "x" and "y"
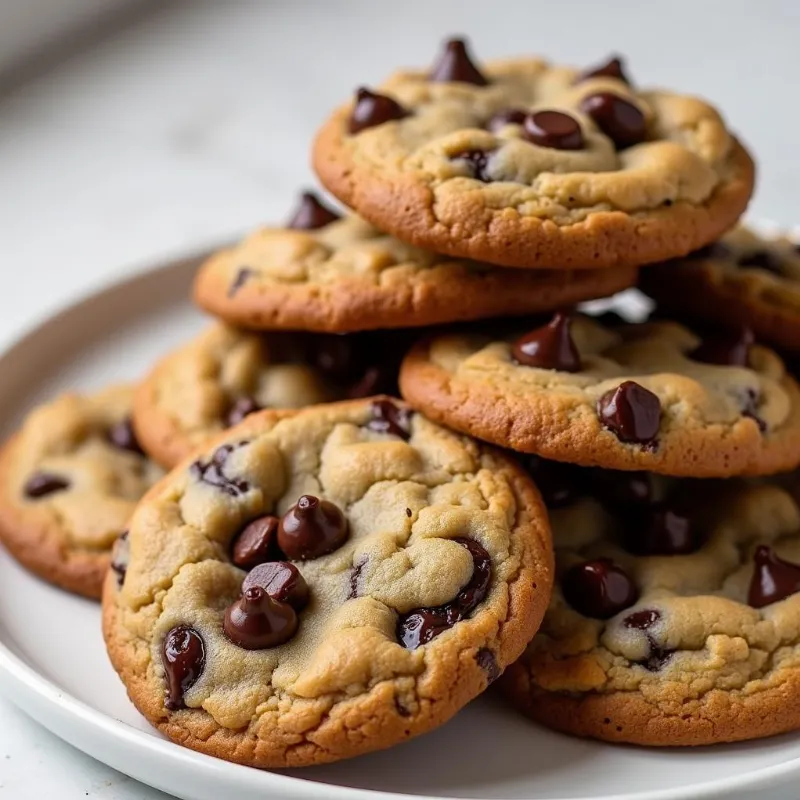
{"x": 193, "y": 125}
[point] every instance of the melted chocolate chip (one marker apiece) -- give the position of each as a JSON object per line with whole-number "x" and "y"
{"x": 548, "y": 347}
{"x": 240, "y": 409}
{"x": 355, "y": 577}
{"x": 184, "y": 658}
{"x": 257, "y": 543}
{"x": 488, "y": 663}
{"x": 311, "y": 214}
{"x": 242, "y": 276}
{"x": 455, "y": 64}
{"x": 388, "y": 417}
{"x": 40, "y": 484}
{"x": 657, "y": 657}
{"x": 773, "y": 578}
{"x": 418, "y": 627}
{"x": 559, "y": 484}
{"x": 373, "y": 109}
{"x": 123, "y": 437}
{"x": 598, "y": 589}
{"x": 619, "y": 119}
{"x": 642, "y": 620}
{"x": 613, "y": 68}
{"x": 731, "y": 348}
{"x": 312, "y": 528}
{"x": 631, "y": 412}
{"x": 661, "y": 531}
{"x": 256, "y": 621}
{"x": 509, "y": 116}
{"x": 212, "y": 472}
{"x": 120, "y": 556}
{"x": 478, "y": 161}
{"x": 282, "y": 581}
{"x": 762, "y": 259}
{"x": 553, "y": 129}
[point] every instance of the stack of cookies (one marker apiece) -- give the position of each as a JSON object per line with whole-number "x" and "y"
{"x": 600, "y": 510}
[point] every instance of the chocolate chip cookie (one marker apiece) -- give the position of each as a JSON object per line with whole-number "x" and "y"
{"x": 322, "y": 583}
{"x": 628, "y": 396}
{"x": 528, "y": 164}
{"x": 339, "y": 274}
{"x": 217, "y": 379}
{"x": 69, "y": 481}
{"x": 743, "y": 279}
{"x": 676, "y": 615}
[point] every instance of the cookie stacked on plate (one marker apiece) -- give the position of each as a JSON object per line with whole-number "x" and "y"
{"x": 329, "y": 569}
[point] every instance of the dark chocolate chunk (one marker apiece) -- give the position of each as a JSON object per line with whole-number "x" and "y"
{"x": 212, "y": 472}
{"x": 388, "y": 417}
{"x": 419, "y": 626}
{"x": 618, "y": 118}
{"x": 553, "y": 129}
{"x": 282, "y": 581}
{"x": 478, "y": 161}
{"x": 731, "y": 348}
{"x": 184, "y": 658}
{"x": 631, "y": 412}
{"x": 242, "y": 276}
{"x": 642, "y": 620}
{"x": 355, "y": 577}
{"x": 257, "y": 543}
{"x": 599, "y": 589}
{"x": 241, "y": 408}
{"x": 455, "y": 64}
{"x": 256, "y": 621}
{"x": 41, "y": 484}
{"x": 311, "y": 214}
{"x": 120, "y": 556}
{"x": 620, "y": 491}
{"x": 373, "y": 109}
{"x": 311, "y": 528}
{"x": 660, "y": 531}
{"x": 549, "y": 347}
{"x": 773, "y": 578}
{"x": 613, "y": 68}
{"x": 488, "y": 663}
{"x": 123, "y": 437}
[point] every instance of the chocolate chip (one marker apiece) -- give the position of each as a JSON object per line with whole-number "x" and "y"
{"x": 618, "y": 118}
{"x": 642, "y": 620}
{"x": 355, "y": 577}
{"x": 631, "y": 412}
{"x": 559, "y": 484}
{"x": 184, "y": 658}
{"x": 311, "y": 214}
{"x": 256, "y": 621}
{"x": 549, "y": 347}
{"x": 419, "y": 626}
{"x": 762, "y": 259}
{"x": 750, "y": 407}
{"x": 598, "y": 589}
{"x": 553, "y": 129}
{"x": 282, "y": 581}
{"x": 241, "y": 408}
{"x": 731, "y": 348}
{"x": 478, "y": 161}
{"x": 120, "y": 556}
{"x": 660, "y": 531}
{"x": 488, "y": 663}
{"x": 123, "y": 437}
{"x": 242, "y": 276}
{"x": 373, "y": 109}
{"x": 773, "y": 578}
{"x": 41, "y": 484}
{"x": 257, "y": 543}
{"x": 613, "y": 68}
{"x": 336, "y": 355}
{"x": 212, "y": 472}
{"x": 657, "y": 657}
{"x": 620, "y": 491}
{"x": 388, "y": 417}
{"x": 311, "y": 528}
{"x": 713, "y": 250}
{"x": 509, "y": 116}
{"x": 455, "y": 64}
{"x": 375, "y": 380}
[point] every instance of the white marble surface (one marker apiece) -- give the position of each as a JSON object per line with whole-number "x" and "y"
{"x": 194, "y": 125}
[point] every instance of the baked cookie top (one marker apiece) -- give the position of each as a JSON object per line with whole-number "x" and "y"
{"x": 530, "y": 164}
{"x": 420, "y": 567}
{"x": 329, "y": 273}
{"x": 622, "y": 396}
{"x": 216, "y": 379}
{"x": 743, "y": 279}
{"x": 69, "y": 481}
{"x": 676, "y": 614}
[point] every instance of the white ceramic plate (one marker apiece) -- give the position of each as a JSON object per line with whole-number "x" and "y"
{"x": 53, "y": 664}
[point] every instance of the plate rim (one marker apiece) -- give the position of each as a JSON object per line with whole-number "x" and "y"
{"x": 32, "y": 692}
